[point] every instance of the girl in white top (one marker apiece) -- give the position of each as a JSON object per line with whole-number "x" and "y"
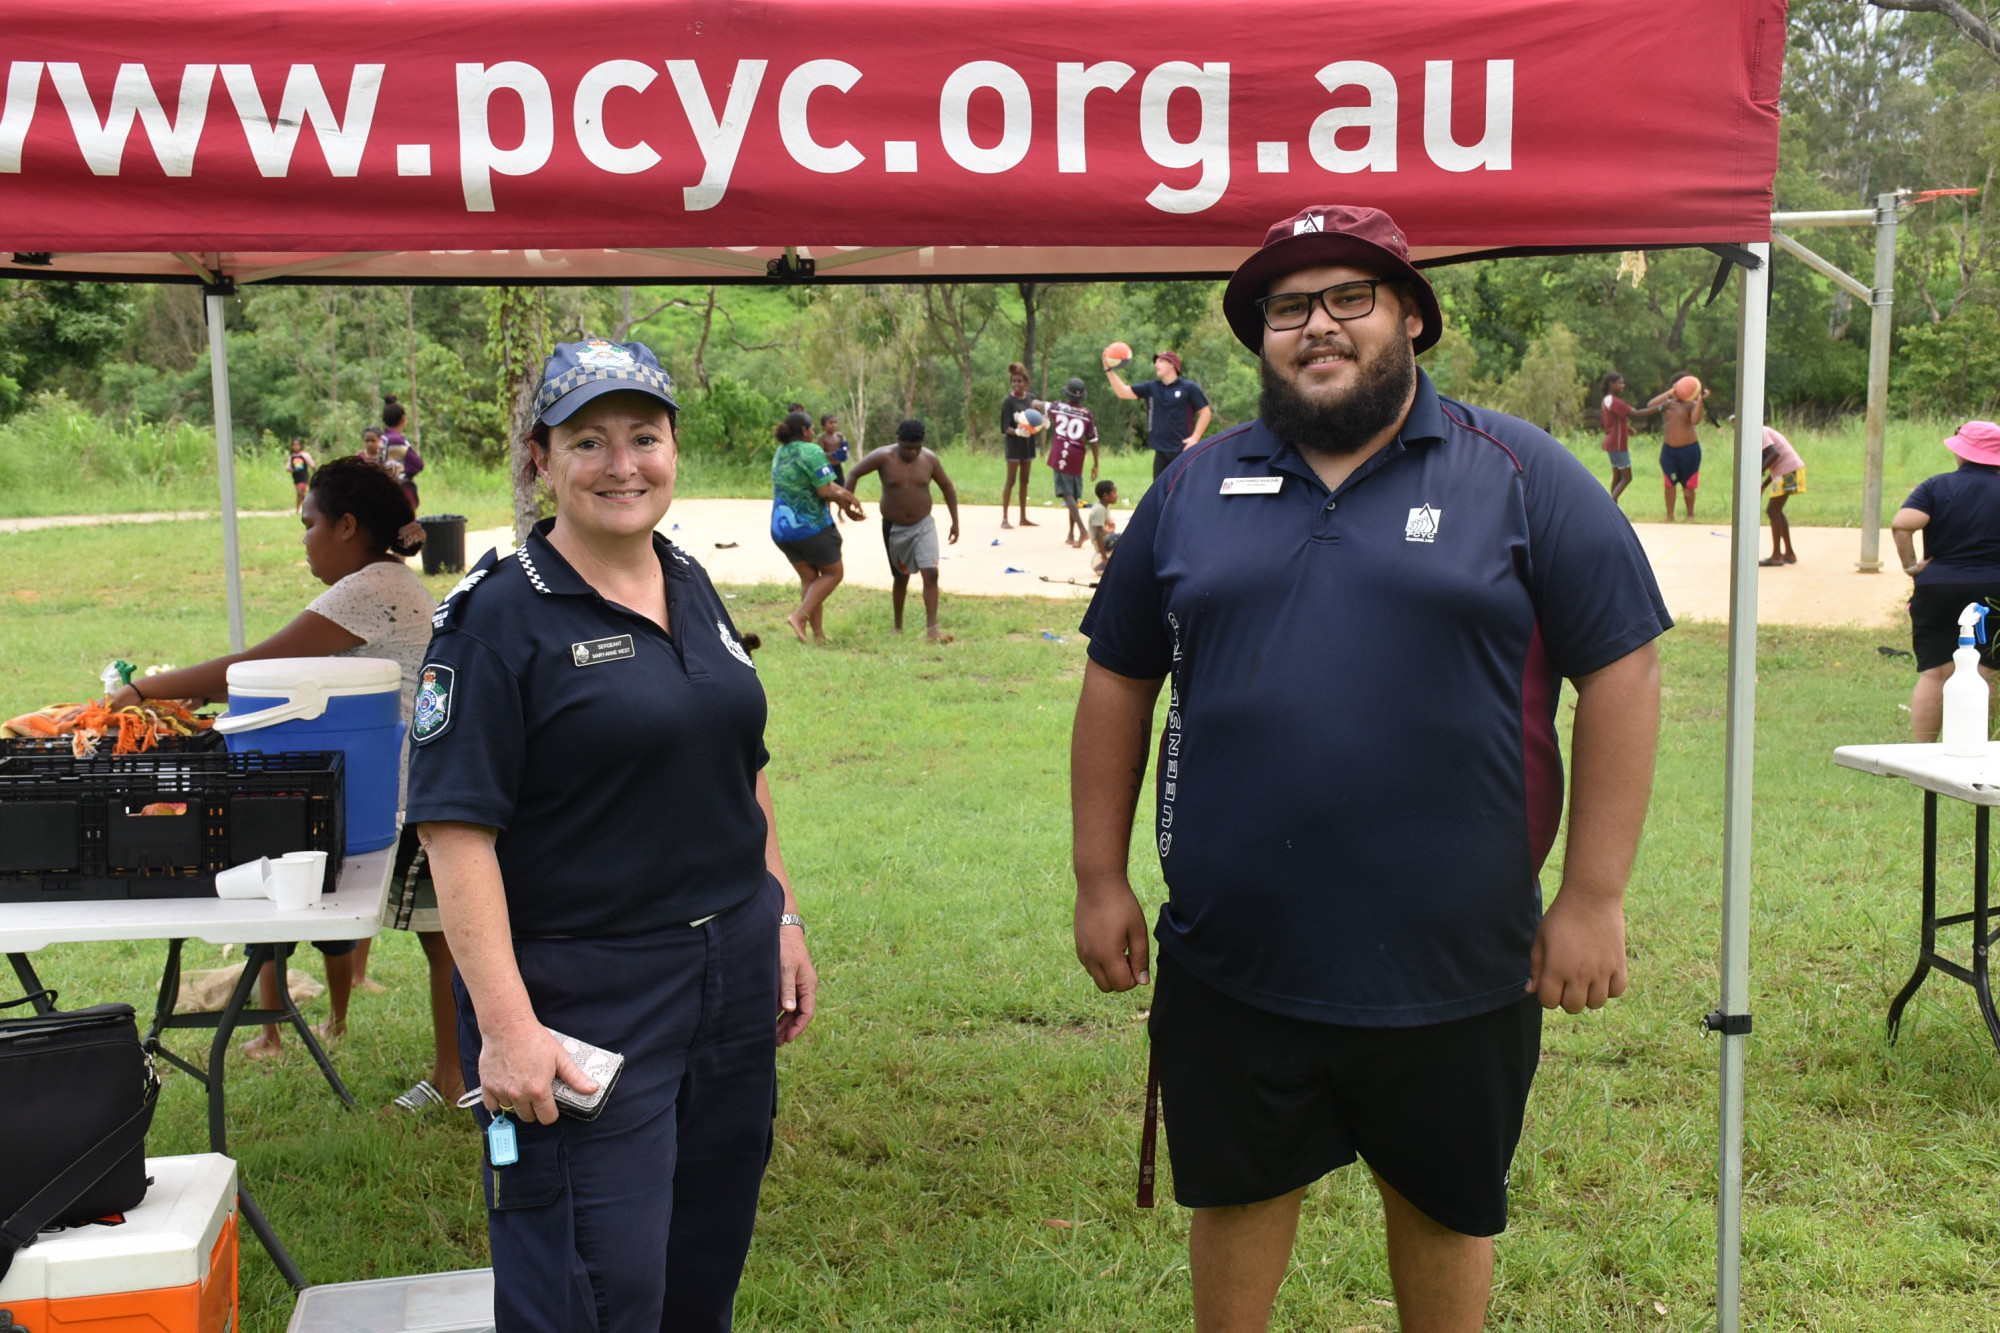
{"x": 358, "y": 528}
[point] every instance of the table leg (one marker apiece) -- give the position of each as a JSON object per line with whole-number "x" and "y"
{"x": 31, "y": 984}
{"x": 1981, "y": 982}
{"x": 163, "y": 1015}
{"x": 1928, "y": 948}
{"x": 274, "y": 1247}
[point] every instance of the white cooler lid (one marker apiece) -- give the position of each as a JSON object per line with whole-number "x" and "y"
{"x": 287, "y": 676}
{"x": 165, "y": 1241}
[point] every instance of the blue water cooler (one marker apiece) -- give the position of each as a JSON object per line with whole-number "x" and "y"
{"x": 352, "y": 704}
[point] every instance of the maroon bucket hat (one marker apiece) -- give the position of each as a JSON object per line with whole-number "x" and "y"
{"x": 1326, "y": 234}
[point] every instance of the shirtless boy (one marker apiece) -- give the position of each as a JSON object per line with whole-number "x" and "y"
{"x": 908, "y": 531}
{"x": 1680, "y": 456}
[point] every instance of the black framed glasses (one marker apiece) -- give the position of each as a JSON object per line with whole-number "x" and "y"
{"x": 1343, "y": 300}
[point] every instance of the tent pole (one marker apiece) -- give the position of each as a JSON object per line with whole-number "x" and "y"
{"x": 1732, "y": 1018}
{"x": 225, "y": 462}
{"x": 1881, "y": 328}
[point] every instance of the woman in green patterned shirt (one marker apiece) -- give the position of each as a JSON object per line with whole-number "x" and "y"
{"x": 803, "y": 480}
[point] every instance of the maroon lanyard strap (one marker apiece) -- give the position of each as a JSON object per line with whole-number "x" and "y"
{"x": 1149, "y": 1138}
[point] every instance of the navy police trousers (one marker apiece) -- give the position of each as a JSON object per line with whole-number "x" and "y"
{"x": 640, "y": 1219}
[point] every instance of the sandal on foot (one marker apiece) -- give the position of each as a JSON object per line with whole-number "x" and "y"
{"x": 419, "y": 1099}
{"x": 1774, "y": 560}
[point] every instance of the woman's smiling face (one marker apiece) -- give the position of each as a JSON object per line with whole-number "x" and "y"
{"x": 612, "y": 464}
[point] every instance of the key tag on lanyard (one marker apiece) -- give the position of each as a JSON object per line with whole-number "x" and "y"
{"x": 501, "y": 1150}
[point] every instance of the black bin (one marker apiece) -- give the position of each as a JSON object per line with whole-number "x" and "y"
{"x": 444, "y": 543}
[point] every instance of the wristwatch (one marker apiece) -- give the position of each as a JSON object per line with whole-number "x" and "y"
{"x": 792, "y": 919}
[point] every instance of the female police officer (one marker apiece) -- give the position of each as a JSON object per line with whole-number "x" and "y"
{"x": 587, "y": 776}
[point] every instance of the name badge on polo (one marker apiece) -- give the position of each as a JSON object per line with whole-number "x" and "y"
{"x": 592, "y": 651}
{"x": 1251, "y": 485}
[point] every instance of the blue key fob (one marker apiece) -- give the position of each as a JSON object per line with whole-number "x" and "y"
{"x": 501, "y": 1149}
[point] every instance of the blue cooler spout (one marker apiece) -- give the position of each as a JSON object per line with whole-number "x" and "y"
{"x": 351, "y": 704}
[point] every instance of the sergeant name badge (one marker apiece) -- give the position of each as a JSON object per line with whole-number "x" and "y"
{"x": 592, "y": 651}
{"x": 1251, "y": 485}
{"x": 433, "y": 710}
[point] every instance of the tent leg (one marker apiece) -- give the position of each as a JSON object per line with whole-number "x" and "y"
{"x": 1746, "y": 541}
{"x": 1881, "y": 327}
{"x": 225, "y": 465}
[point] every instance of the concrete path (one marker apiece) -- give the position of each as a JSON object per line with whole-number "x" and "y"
{"x": 102, "y": 520}
{"x": 732, "y": 540}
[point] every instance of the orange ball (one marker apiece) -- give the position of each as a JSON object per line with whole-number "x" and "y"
{"x": 1687, "y": 388}
{"x": 1120, "y": 353}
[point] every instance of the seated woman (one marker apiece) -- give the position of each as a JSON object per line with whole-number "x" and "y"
{"x": 358, "y": 528}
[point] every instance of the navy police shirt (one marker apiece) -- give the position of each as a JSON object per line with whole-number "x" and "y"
{"x": 1359, "y": 776}
{"x": 619, "y": 763}
{"x": 1962, "y": 539}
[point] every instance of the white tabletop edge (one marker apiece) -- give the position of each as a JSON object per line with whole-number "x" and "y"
{"x": 352, "y": 911}
{"x": 1975, "y": 781}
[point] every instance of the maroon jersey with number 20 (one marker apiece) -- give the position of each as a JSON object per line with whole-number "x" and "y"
{"x": 1070, "y": 428}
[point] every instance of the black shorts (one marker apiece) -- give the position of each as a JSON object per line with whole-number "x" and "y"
{"x": 1021, "y": 448}
{"x": 1934, "y": 609}
{"x": 1164, "y": 459}
{"x": 1259, "y": 1104}
{"x": 819, "y": 550}
{"x": 1681, "y": 462}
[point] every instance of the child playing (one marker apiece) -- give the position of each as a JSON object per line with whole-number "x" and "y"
{"x": 1615, "y": 415}
{"x": 1071, "y": 429}
{"x": 1103, "y": 531}
{"x": 1784, "y": 477}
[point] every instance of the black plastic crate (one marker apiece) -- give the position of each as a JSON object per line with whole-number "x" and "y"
{"x": 59, "y": 746}
{"x": 75, "y": 829}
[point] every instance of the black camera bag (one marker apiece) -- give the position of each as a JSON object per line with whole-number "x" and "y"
{"x": 76, "y": 1098}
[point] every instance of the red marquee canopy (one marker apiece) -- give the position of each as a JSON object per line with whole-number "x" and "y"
{"x": 607, "y": 140}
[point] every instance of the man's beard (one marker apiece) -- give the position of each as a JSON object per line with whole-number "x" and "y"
{"x": 1344, "y": 424}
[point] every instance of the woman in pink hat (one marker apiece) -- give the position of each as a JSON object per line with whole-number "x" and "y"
{"x": 1959, "y": 515}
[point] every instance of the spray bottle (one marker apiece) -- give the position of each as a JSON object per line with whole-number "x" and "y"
{"x": 1965, "y": 694}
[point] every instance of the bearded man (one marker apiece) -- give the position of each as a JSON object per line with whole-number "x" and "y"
{"x": 1366, "y": 601}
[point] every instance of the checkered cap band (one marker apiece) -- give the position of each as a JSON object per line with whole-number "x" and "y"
{"x": 638, "y": 376}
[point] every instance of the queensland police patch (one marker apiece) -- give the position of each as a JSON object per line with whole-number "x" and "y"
{"x": 434, "y": 700}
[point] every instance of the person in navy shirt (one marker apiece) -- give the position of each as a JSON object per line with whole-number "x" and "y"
{"x": 1364, "y": 605}
{"x": 588, "y": 779}
{"x": 1177, "y": 410}
{"x": 1959, "y": 515}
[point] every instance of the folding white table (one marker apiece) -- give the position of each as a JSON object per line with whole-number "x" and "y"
{"x": 352, "y": 911}
{"x": 1977, "y": 783}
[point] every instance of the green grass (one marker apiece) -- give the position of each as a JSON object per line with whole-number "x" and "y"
{"x": 965, "y": 1084}
{"x": 59, "y": 459}
{"x": 1834, "y": 459}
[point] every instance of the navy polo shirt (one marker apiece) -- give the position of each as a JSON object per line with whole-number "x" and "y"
{"x": 1170, "y": 412}
{"x": 1359, "y": 777}
{"x": 1963, "y": 537}
{"x": 618, "y": 762}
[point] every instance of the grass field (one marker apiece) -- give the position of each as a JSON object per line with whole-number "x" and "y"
{"x": 957, "y": 1134}
{"x": 58, "y": 459}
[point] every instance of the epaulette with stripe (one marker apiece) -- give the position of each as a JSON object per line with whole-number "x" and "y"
{"x": 448, "y": 610}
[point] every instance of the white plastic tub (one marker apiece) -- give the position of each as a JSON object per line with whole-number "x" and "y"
{"x": 428, "y": 1303}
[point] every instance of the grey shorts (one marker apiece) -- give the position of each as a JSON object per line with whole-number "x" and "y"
{"x": 1069, "y": 485}
{"x": 911, "y": 546}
